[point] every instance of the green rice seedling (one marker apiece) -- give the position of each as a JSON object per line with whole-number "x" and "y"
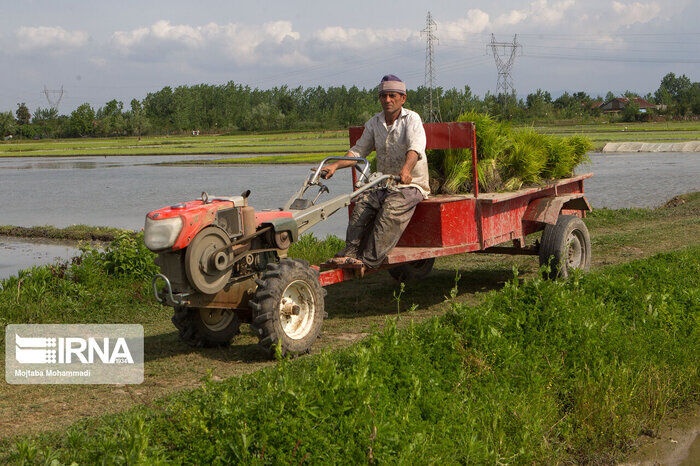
{"x": 581, "y": 145}
{"x": 489, "y": 176}
{"x": 506, "y": 159}
{"x": 491, "y": 135}
{"x": 560, "y": 159}
{"x": 525, "y": 157}
{"x": 458, "y": 178}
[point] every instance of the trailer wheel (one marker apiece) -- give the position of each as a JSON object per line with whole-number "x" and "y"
{"x": 288, "y": 307}
{"x": 206, "y": 327}
{"x": 565, "y": 246}
{"x": 412, "y": 271}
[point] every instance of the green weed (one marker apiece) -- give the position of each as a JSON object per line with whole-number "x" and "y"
{"x": 540, "y": 372}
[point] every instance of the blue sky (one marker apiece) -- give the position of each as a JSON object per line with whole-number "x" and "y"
{"x": 101, "y": 50}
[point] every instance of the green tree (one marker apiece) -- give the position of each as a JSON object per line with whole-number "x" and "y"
{"x": 82, "y": 120}
{"x": 46, "y": 122}
{"x": 23, "y": 115}
{"x": 110, "y": 120}
{"x": 137, "y": 118}
{"x": 630, "y": 112}
{"x": 676, "y": 92}
{"x": 8, "y": 124}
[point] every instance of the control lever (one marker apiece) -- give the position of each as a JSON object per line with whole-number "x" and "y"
{"x": 322, "y": 189}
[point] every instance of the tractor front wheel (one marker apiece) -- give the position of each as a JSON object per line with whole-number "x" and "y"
{"x": 200, "y": 327}
{"x": 288, "y": 307}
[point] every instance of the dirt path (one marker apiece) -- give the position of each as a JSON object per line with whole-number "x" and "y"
{"x": 355, "y": 309}
{"x": 676, "y": 442}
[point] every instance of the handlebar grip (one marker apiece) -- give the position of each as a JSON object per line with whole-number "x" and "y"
{"x": 323, "y": 174}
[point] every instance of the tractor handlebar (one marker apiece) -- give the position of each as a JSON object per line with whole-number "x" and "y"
{"x": 363, "y": 174}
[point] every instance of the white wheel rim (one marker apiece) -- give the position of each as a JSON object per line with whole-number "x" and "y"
{"x": 297, "y": 310}
{"x": 574, "y": 251}
{"x": 216, "y": 319}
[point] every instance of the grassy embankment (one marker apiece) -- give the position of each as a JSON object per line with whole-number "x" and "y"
{"x": 540, "y": 371}
{"x": 601, "y": 134}
{"x": 308, "y": 147}
{"x": 84, "y": 293}
{"x": 303, "y": 143}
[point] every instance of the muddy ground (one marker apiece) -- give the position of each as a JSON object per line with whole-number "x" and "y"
{"x": 355, "y": 309}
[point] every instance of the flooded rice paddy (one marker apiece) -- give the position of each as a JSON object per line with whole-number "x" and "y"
{"x": 119, "y": 191}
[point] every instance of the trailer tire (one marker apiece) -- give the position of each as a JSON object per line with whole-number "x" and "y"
{"x": 288, "y": 308}
{"x": 565, "y": 246}
{"x": 201, "y": 327}
{"x": 412, "y": 271}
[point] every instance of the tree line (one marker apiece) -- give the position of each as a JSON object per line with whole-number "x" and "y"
{"x": 235, "y": 107}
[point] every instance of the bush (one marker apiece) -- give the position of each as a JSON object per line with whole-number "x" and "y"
{"x": 128, "y": 255}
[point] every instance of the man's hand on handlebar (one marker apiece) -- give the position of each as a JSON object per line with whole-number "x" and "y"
{"x": 327, "y": 171}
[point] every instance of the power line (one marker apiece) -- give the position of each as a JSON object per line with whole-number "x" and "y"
{"x": 507, "y": 50}
{"x": 53, "y": 96}
{"x": 617, "y": 59}
{"x": 433, "y": 103}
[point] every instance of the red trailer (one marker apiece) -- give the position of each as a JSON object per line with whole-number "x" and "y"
{"x": 223, "y": 263}
{"x": 478, "y": 222}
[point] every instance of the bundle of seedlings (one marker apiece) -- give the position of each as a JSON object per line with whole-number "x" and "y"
{"x": 507, "y": 159}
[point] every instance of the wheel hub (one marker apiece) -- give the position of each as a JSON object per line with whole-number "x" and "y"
{"x": 575, "y": 252}
{"x": 216, "y": 319}
{"x": 297, "y": 310}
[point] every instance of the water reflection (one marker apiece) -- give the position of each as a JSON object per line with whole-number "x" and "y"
{"x": 17, "y": 254}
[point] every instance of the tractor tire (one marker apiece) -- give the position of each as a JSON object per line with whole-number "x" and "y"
{"x": 565, "y": 246}
{"x": 288, "y": 307}
{"x": 412, "y": 271}
{"x": 206, "y": 327}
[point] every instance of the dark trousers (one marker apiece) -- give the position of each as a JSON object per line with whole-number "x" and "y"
{"x": 379, "y": 218}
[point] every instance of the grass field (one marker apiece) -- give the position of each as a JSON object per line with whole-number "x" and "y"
{"x": 356, "y": 308}
{"x": 538, "y": 372}
{"x": 304, "y": 145}
{"x": 177, "y": 145}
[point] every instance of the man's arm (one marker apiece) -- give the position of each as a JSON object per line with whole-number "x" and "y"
{"x": 411, "y": 161}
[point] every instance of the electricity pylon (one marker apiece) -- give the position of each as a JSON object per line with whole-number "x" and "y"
{"x": 433, "y": 98}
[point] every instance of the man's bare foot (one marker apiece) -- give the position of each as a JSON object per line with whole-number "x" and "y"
{"x": 352, "y": 261}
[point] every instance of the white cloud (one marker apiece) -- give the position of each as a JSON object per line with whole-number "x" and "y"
{"x": 538, "y": 12}
{"x": 353, "y": 38}
{"x": 236, "y": 41}
{"x": 636, "y": 12}
{"x": 97, "y": 61}
{"x": 476, "y": 21}
{"x": 49, "y": 37}
{"x": 542, "y": 12}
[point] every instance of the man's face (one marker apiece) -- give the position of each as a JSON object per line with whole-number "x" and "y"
{"x": 391, "y": 101}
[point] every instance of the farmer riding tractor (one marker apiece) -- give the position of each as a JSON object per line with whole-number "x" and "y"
{"x": 223, "y": 263}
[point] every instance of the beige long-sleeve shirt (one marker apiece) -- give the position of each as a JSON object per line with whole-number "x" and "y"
{"x": 392, "y": 143}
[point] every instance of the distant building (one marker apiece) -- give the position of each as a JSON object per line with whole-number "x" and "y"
{"x": 619, "y": 103}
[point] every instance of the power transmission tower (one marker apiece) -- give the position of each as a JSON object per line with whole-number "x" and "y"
{"x": 53, "y": 96}
{"x": 433, "y": 99}
{"x": 504, "y": 54}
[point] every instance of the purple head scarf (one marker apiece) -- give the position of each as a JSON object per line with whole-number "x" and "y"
{"x": 391, "y": 83}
